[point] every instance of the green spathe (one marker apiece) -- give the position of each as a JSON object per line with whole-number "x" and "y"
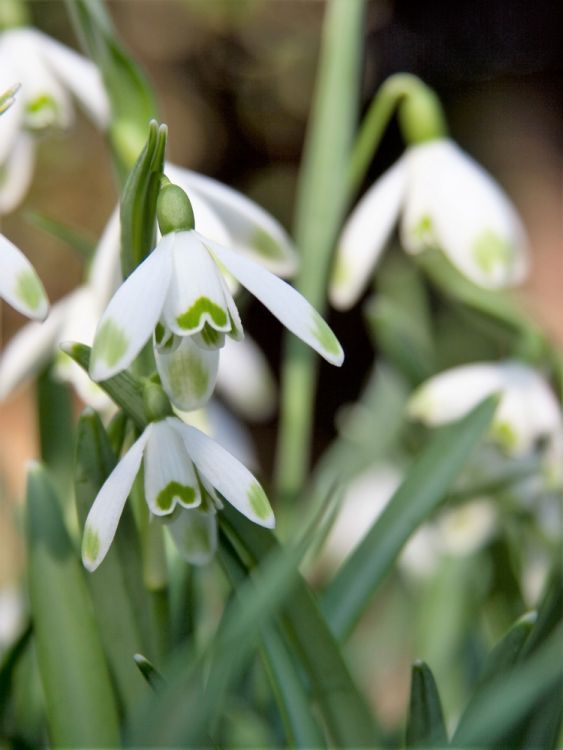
{"x": 259, "y": 502}
{"x": 165, "y": 498}
{"x": 29, "y": 289}
{"x": 190, "y": 319}
{"x": 110, "y": 344}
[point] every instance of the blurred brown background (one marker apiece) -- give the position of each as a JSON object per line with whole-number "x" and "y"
{"x": 234, "y": 80}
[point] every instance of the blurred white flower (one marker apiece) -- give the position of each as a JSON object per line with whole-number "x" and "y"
{"x": 19, "y": 284}
{"x": 50, "y": 74}
{"x": 446, "y": 200}
{"x": 12, "y": 611}
{"x": 528, "y": 409}
{"x": 182, "y": 469}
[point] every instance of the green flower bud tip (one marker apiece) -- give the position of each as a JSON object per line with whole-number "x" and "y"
{"x": 155, "y": 402}
{"x": 173, "y": 209}
{"x": 421, "y": 116}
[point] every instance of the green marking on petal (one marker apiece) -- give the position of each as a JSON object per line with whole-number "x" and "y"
{"x": 423, "y": 230}
{"x": 187, "y": 373}
{"x": 325, "y": 337}
{"x": 490, "y": 250}
{"x": 29, "y": 289}
{"x": 159, "y": 332}
{"x": 505, "y": 434}
{"x": 264, "y": 244}
{"x": 165, "y": 498}
{"x": 90, "y": 544}
{"x": 110, "y": 344}
{"x": 341, "y": 271}
{"x": 259, "y": 502}
{"x": 202, "y": 306}
{"x": 42, "y": 112}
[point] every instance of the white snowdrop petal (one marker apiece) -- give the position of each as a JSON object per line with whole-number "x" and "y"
{"x": 17, "y": 172}
{"x": 283, "y": 301}
{"x": 364, "y": 236}
{"x": 170, "y": 478}
{"x": 245, "y": 380}
{"x": 233, "y": 480}
{"x": 251, "y": 230}
{"x": 30, "y": 350}
{"x": 196, "y": 297}
{"x": 10, "y": 120}
{"x": 194, "y": 533}
{"x": 188, "y": 373}
{"x": 79, "y": 74}
{"x": 19, "y": 284}
{"x": 453, "y": 393}
{"x": 104, "y": 275}
{"x": 103, "y": 518}
{"x": 132, "y": 313}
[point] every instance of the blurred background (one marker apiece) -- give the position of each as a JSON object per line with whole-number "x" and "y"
{"x": 234, "y": 80}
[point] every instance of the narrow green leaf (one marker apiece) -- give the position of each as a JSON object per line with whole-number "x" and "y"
{"x": 80, "y": 703}
{"x": 125, "y": 389}
{"x": 75, "y": 238}
{"x": 425, "y": 726}
{"x": 499, "y": 708}
{"x": 56, "y": 429}
{"x": 542, "y": 726}
{"x": 112, "y": 594}
{"x": 419, "y": 495}
{"x": 321, "y": 203}
{"x": 8, "y": 664}
{"x": 149, "y": 671}
{"x": 549, "y": 613}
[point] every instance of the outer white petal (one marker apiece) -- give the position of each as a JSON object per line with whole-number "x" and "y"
{"x": 79, "y": 75}
{"x": 195, "y": 535}
{"x": 106, "y": 510}
{"x": 19, "y": 284}
{"x": 252, "y": 230}
{"x": 17, "y": 173}
{"x": 30, "y": 350}
{"x": 105, "y": 272}
{"x": 290, "y": 307}
{"x": 226, "y": 474}
{"x": 170, "y": 478}
{"x": 11, "y": 120}
{"x": 365, "y": 235}
{"x": 245, "y": 380}
{"x": 453, "y": 203}
{"x": 188, "y": 373}
{"x": 197, "y": 296}
{"x": 132, "y": 314}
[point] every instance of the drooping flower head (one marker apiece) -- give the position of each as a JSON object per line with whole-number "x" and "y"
{"x": 50, "y": 74}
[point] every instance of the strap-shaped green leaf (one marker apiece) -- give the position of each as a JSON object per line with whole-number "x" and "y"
{"x": 419, "y": 495}
{"x": 425, "y": 725}
{"x": 80, "y": 703}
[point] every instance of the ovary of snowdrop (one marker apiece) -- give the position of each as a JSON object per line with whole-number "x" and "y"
{"x": 74, "y": 318}
{"x": 528, "y": 409}
{"x": 50, "y": 75}
{"x": 183, "y": 468}
{"x": 20, "y": 286}
{"x": 445, "y": 200}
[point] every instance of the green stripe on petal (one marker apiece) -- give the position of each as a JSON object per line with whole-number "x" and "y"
{"x": 29, "y": 289}
{"x": 326, "y": 338}
{"x": 90, "y": 546}
{"x": 184, "y": 495}
{"x": 111, "y": 343}
{"x": 191, "y": 319}
{"x": 490, "y": 251}
{"x": 259, "y": 502}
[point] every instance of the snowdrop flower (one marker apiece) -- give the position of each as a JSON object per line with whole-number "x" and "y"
{"x": 19, "y": 284}
{"x": 182, "y": 469}
{"x": 179, "y": 292}
{"x": 72, "y": 318}
{"x": 49, "y": 73}
{"x": 528, "y": 409}
{"x": 445, "y": 200}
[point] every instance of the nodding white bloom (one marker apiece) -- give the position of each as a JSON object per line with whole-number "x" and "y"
{"x": 446, "y": 200}
{"x": 72, "y": 318}
{"x": 179, "y": 292}
{"x": 182, "y": 469}
{"x": 528, "y": 409}
{"x": 20, "y": 286}
{"x": 50, "y": 74}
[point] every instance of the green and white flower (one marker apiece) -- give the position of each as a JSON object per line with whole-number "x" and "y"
{"x": 179, "y": 292}
{"x": 183, "y": 468}
{"x": 528, "y": 409}
{"x": 445, "y": 200}
{"x": 19, "y": 284}
{"x": 50, "y": 74}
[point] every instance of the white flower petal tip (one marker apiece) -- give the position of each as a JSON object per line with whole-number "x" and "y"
{"x": 19, "y": 284}
{"x": 527, "y": 410}
{"x": 224, "y": 472}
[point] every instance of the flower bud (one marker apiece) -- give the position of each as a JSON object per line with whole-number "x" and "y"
{"x": 173, "y": 209}
{"x": 155, "y": 402}
{"x": 421, "y": 115}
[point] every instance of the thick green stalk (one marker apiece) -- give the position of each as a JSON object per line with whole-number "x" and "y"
{"x": 320, "y": 207}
